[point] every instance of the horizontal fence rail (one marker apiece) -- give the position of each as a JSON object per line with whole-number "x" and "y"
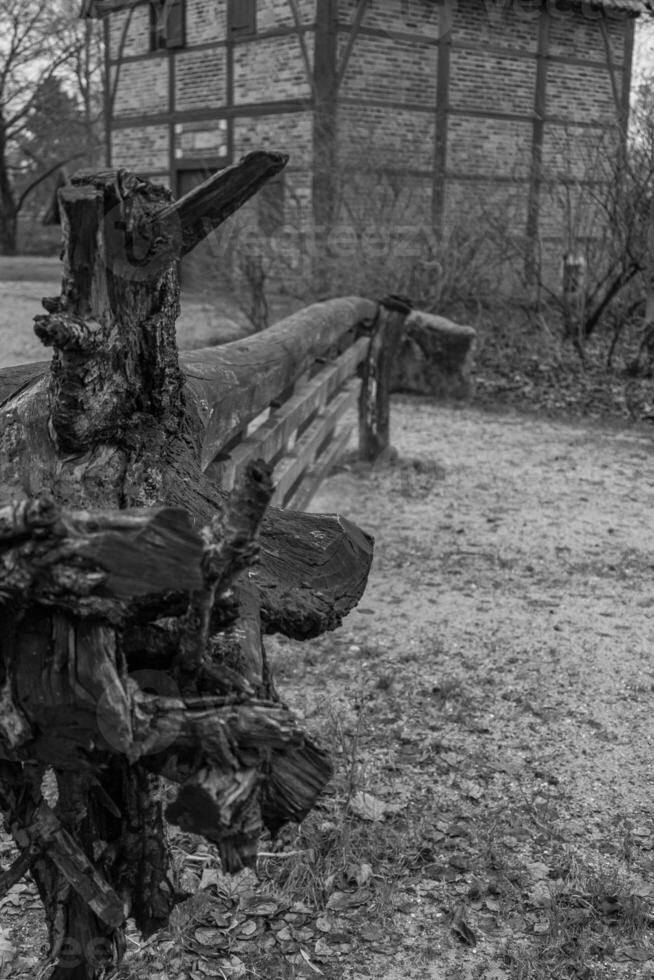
{"x": 296, "y": 417}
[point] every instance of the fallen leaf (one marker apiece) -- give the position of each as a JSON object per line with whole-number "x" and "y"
{"x": 462, "y": 931}
{"x": 211, "y": 878}
{"x": 233, "y": 968}
{"x": 209, "y": 936}
{"x": 325, "y": 923}
{"x": 312, "y": 966}
{"x": 255, "y": 904}
{"x": 339, "y": 901}
{"x": 371, "y": 934}
{"x": 324, "y": 949}
{"x": 369, "y": 807}
{"x": 361, "y": 873}
{"x": 7, "y": 948}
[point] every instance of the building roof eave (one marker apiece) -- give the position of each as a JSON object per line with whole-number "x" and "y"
{"x": 634, "y": 7}
{"x": 98, "y": 8}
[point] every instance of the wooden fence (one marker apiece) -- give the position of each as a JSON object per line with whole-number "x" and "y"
{"x": 294, "y": 386}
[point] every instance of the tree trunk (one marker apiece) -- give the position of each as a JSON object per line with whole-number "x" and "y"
{"x": 8, "y": 210}
{"x": 131, "y": 598}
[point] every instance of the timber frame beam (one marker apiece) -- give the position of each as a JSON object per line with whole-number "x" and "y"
{"x": 538, "y": 133}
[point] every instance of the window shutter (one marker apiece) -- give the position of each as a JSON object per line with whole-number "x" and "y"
{"x": 174, "y": 23}
{"x": 242, "y": 16}
{"x": 167, "y": 24}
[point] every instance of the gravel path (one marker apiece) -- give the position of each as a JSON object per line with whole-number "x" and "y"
{"x": 533, "y": 555}
{"x": 513, "y": 569}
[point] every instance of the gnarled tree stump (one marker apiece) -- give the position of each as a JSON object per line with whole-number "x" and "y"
{"x": 434, "y": 357}
{"x": 133, "y": 591}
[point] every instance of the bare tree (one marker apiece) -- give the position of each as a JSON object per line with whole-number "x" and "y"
{"x": 40, "y": 41}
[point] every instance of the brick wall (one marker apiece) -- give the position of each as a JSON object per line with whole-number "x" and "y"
{"x": 389, "y": 69}
{"x": 415, "y": 17}
{"x": 206, "y": 20}
{"x": 576, "y": 151}
{"x": 270, "y": 70}
{"x": 290, "y": 132}
{"x": 582, "y": 92}
{"x": 495, "y": 24}
{"x": 578, "y": 35}
{"x": 137, "y": 38}
{"x": 488, "y": 147}
{"x": 379, "y": 137}
{"x": 488, "y": 82}
{"x": 200, "y": 79}
{"x": 142, "y": 87}
{"x": 141, "y": 148}
{"x": 272, "y": 14}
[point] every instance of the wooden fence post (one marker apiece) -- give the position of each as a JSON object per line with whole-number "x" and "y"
{"x": 574, "y": 292}
{"x": 374, "y": 400}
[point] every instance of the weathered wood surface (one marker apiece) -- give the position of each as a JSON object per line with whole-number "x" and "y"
{"x": 125, "y": 570}
{"x": 220, "y": 379}
{"x": 374, "y": 399}
{"x": 309, "y": 390}
{"x": 573, "y": 299}
{"x": 434, "y": 357}
{"x": 308, "y": 397}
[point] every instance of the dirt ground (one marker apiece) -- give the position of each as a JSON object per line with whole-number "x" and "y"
{"x": 492, "y": 695}
{"x": 504, "y": 644}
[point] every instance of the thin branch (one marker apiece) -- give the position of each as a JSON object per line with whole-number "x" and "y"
{"x": 39, "y": 180}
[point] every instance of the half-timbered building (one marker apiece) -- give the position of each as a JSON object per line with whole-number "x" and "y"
{"x": 455, "y": 99}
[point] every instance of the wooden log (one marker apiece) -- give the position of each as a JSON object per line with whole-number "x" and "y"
{"x": 220, "y": 379}
{"x": 312, "y": 572}
{"x": 573, "y": 299}
{"x": 434, "y": 357}
{"x": 270, "y": 439}
{"x": 210, "y": 203}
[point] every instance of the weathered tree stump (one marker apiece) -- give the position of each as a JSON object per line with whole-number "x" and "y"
{"x": 434, "y": 357}
{"x": 134, "y": 592}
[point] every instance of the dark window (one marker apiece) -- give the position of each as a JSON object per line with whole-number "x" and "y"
{"x": 242, "y": 17}
{"x": 167, "y": 24}
{"x": 270, "y": 199}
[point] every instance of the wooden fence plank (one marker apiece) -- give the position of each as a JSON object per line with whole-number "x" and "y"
{"x": 307, "y": 447}
{"x": 273, "y": 435}
{"x": 315, "y": 474}
{"x": 228, "y": 386}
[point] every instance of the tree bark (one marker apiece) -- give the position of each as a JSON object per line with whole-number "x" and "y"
{"x": 374, "y": 400}
{"x": 8, "y": 209}
{"x": 434, "y": 357}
